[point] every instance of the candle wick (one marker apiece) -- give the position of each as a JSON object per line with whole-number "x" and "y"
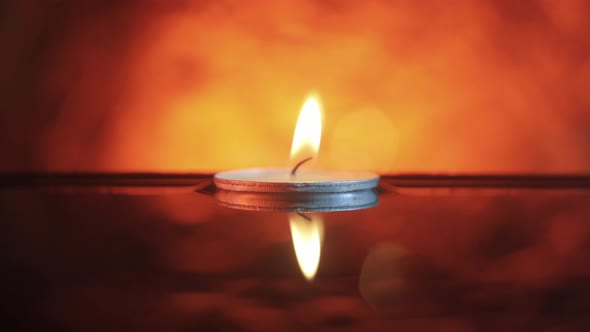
{"x": 304, "y": 216}
{"x": 299, "y": 164}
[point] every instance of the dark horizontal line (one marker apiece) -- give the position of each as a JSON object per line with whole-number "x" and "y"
{"x": 102, "y": 179}
{"x": 399, "y": 180}
{"x": 491, "y": 180}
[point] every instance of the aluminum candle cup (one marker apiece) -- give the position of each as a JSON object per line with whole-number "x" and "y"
{"x": 297, "y": 201}
{"x": 307, "y": 191}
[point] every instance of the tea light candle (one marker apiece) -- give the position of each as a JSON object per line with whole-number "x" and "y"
{"x": 306, "y": 180}
{"x": 305, "y": 147}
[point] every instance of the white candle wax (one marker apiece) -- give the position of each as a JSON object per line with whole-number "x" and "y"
{"x": 304, "y": 180}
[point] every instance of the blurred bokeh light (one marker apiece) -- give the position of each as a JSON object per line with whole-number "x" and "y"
{"x": 459, "y": 86}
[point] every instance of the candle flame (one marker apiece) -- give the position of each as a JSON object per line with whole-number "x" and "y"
{"x": 307, "y": 240}
{"x": 308, "y": 132}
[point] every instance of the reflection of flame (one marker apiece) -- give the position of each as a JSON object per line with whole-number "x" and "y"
{"x": 308, "y": 132}
{"x": 307, "y": 237}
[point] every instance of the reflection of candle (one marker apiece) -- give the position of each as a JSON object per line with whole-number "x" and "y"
{"x": 307, "y": 232}
{"x": 304, "y": 150}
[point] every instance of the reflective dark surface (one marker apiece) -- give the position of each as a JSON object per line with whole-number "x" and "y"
{"x": 158, "y": 256}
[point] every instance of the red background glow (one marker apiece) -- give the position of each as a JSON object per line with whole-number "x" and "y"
{"x": 449, "y": 86}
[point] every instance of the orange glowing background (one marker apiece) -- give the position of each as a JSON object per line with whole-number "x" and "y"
{"x": 453, "y": 86}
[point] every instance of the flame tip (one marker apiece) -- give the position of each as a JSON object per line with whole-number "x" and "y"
{"x": 308, "y": 131}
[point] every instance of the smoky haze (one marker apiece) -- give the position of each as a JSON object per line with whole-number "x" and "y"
{"x": 458, "y": 86}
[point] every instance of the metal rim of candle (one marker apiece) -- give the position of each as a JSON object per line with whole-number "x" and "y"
{"x": 247, "y": 181}
{"x": 297, "y": 202}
